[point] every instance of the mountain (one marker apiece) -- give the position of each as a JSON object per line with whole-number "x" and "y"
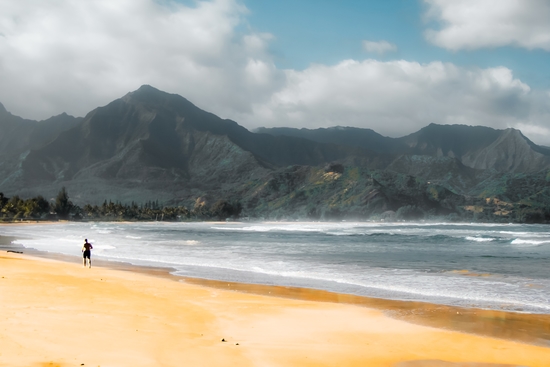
{"x": 475, "y": 147}
{"x": 445, "y": 171}
{"x": 479, "y": 147}
{"x": 150, "y": 139}
{"x": 20, "y": 135}
{"x": 154, "y": 146}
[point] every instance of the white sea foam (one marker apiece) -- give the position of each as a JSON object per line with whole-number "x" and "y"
{"x": 294, "y": 228}
{"x": 191, "y": 242}
{"x": 519, "y": 241}
{"x": 480, "y": 239}
{"x": 103, "y": 247}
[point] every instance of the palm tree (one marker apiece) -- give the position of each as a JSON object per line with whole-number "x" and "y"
{"x": 63, "y": 205}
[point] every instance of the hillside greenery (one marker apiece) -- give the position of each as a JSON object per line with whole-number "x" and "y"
{"x": 333, "y": 192}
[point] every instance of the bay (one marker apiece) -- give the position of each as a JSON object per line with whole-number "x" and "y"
{"x": 492, "y": 266}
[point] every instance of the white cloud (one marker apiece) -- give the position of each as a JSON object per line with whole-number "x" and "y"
{"x": 399, "y": 97}
{"x": 380, "y": 47}
{"x": 75, "y": 55}
{"x": 474, "y": 24}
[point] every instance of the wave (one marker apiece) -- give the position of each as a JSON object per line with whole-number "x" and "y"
{"x": 268, "y": 229}
{"x": 103, "y": 247}
{"x": 519, "y": 241}
{"x": 480, "y": 239}
{"x": 191, "y": 242}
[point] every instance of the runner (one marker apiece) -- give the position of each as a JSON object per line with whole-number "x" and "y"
{"x": 87, "y": 253}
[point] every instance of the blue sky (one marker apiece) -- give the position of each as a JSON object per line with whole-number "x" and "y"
{"x": 325, "y": 31}
{"x": 394, "y": 66}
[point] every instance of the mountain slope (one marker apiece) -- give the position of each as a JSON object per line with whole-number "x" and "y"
{"x": 345, "y": 136}
{"x": 18, "y": 135}
{"x": 510, "y": 152}
{"x": 479, "y": 147}
{"x": 445, "y": 171}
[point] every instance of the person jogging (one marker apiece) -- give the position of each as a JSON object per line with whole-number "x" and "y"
{"x": 87, "y": 252}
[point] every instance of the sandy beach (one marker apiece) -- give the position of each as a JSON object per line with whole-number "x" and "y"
{"x": 57, "y": 313}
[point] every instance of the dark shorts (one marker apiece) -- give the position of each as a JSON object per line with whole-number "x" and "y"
{"x": 86, "y": 254}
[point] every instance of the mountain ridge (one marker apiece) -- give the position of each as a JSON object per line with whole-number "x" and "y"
{"x": 477, "y": 147}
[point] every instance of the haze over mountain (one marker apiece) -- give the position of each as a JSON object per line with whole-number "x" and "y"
{"x": 152, "y": 145}
{"x": 19, "y": 135}
{"x": 475, "y": 146}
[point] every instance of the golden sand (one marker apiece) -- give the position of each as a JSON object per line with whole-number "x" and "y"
{"x": 55, "y": 313}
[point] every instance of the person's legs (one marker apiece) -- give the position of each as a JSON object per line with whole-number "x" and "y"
{"x": 87, "y": 255}
{"x": 84, "y": 260}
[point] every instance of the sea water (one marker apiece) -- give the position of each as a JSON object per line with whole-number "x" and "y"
{"x": 494, "y": 266}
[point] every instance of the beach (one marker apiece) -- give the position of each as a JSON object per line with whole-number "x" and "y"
{"x": 58, "y": 313}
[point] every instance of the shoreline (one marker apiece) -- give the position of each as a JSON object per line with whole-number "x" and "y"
{"x": 55, "y": 313}
{"x": 257, "y": 220}
{"x": 531, "y": 328}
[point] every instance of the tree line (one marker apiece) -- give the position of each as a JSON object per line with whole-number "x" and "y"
{"x": 62, "y": 208}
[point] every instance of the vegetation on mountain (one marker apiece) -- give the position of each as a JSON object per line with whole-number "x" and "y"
{"x": 334, "y": 192}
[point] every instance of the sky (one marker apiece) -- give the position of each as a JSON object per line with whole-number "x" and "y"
{"x": 393, "y": 66}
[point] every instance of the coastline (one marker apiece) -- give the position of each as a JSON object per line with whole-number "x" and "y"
{"x": 514, "y": 326}
{"x": 57, "y": 313}
{"x": 273, "y": 325}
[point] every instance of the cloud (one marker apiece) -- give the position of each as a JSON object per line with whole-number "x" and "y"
{"x": 474, "y": 24}
{"x": 75, "y": 55}
{"x": 380, "y": 47}
{"x": 399, "y": 97}
{"x": 72, "y": 56}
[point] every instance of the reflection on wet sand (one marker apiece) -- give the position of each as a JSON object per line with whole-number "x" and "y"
{"x": 528, "y": 328}
{"x": 450, "y": 364}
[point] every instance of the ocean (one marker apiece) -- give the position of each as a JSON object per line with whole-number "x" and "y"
{"x": 491, "y": 266}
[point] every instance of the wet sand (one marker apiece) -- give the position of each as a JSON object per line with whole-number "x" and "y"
{"x": 58, "y": 313}
{"x": 528, "y": 328}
